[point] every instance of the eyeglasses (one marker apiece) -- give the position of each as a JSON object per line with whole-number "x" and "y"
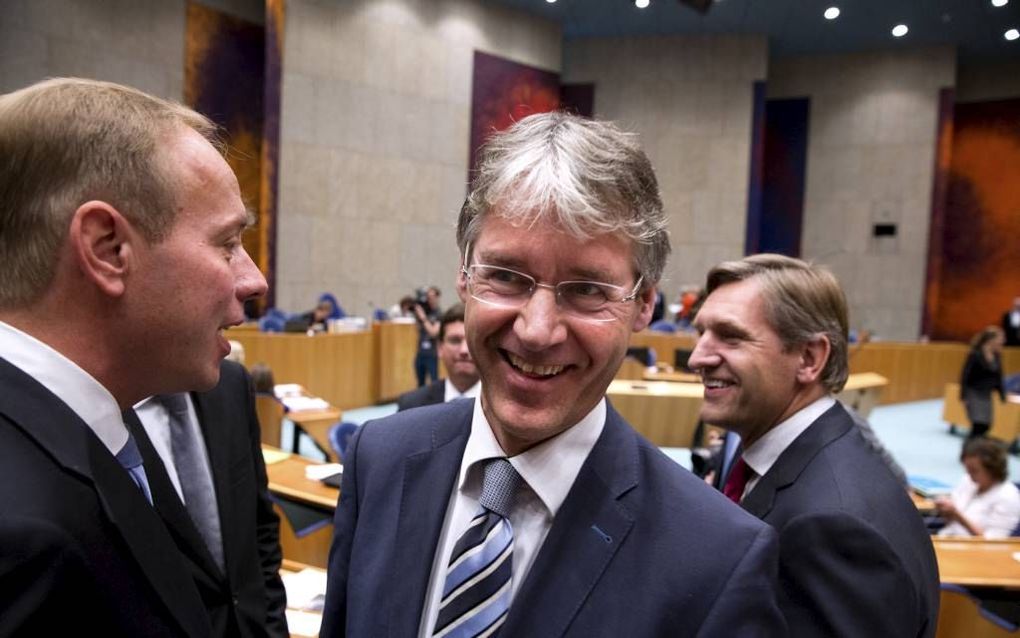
{"x": 506, "y": 288}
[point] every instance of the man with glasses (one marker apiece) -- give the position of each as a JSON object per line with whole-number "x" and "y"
{"x": 536, "y": 510}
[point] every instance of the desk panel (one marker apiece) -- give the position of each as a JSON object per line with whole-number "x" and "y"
{"x": 341, "y": 368}
{"x": 978, "y": 562}
{"x": 397, "y": 346}
{"x": 1005, "y": 414}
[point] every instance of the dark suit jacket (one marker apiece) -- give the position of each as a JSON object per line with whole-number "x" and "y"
{"x": 854, "y": 556}
{"x": 430, "y": 394}
{"x": 249, "y": 600}
{"x": 80, "y": 547}
{"x": 640, "y": 546}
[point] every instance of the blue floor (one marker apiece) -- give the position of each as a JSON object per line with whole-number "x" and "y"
{"x": 914, "y": 433}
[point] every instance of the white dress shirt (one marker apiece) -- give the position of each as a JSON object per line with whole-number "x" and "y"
{"x": 548, "y": 469}
{"x": 764, "y": 452}
{"x": 451, "y": 392}
{"x": 155, "y": 419}
{"x": 996, "y": 511}
{"x": 72, "y": 385}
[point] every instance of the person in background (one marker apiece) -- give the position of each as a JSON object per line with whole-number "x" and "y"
{"x": 122, "y": 266}
{"x": 537, "y": 510}
{"x": 262, "y": 379}
{"x": 236, "y": 352}
{"x": 317, "y": 317}
{"x": 985, "y": 503}
{"x": 980, "y": 377}
{"x": 1011, "y": 324}
{"x": 462, "y": 375}
{"x": 426, "y": 313}
{"x": 772, "y": 353}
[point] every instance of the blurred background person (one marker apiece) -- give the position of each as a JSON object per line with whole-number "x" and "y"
{"x": 984, "y": 503}
{"x": 426, "y": 313}
{"x": 982, "y": 375}
{"x": 462, "y": 375}
{"x": 1011, "y": 323}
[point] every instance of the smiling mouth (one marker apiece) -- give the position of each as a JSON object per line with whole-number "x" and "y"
{"x": 531, "y": 370}
{"x": 716, "y": 384}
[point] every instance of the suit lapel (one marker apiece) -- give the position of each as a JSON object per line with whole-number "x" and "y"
{"x": 589, "y": 529}
{"x": 833, "y": 424}
{"x": 168, "y": 503}
{"x": 427, "y": 481}
{"x": 75, "y": 448}
{"x": 215, "y": 421}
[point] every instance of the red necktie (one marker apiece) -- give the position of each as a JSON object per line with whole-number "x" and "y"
{"x": 740, "y": 474}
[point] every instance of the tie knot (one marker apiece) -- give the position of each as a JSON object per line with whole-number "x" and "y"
{"x": 129, "y": 457}
{"x": 499, "y": 486}
{"x": 176, "y": 404}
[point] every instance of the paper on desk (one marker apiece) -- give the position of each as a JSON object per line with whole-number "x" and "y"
{"x": 303, "y": 404}
{"x": 282, "y": 390}
{"x": 306, "y": 589}
{"x": 273, "y": 456}
{"x": 322, "y": 470}
{"x": 303, "y": 623}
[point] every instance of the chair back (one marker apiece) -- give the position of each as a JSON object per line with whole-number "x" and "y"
{"x": 340, "y": 435}
{"x": 271, "y": 323}
{"x": 270, "y": 414}
{"x": 663, "y": 325}
{"x": 338, "y": 312}
{"x": 961, "y": 616}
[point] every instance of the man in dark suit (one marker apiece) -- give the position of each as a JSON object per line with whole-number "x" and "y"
{"x": 536, "y": 510}
{"x": 120, "y": 236}
{"x": 1011, "y": 323}
{"x": 239, "y": 582}
{"x": 462, "y": 374}
{"x": 855, "y": 559}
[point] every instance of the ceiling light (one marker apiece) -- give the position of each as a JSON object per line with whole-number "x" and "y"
{"x": 900, "y": 30}
{"x": 1012, "y": 34}
{"x": 640, "y": 4}
{"x": 831, "y": 13}
{"x": 551, "y": 1}
{"x": 999, "y": 3}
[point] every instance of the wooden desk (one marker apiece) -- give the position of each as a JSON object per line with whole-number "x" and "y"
{"x": 287, "y": 478}
{"x": 676, "y": 377}
{"x": 863, "y": 391}
{"x": 666, "y": 413}
{"x": 978, "y": 562}
{"x": 396, "y": 344}
{"x": 1005, "y": 414}
{"x": 341, "y": 368}
{"x": 316, "y": 424}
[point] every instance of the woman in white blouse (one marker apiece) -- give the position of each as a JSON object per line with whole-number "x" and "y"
{"x": 985, "y": 503}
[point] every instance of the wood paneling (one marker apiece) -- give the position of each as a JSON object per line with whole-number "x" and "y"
{"x": 397, "y": 344}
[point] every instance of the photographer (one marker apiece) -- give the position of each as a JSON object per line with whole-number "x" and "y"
{"x": 426, "y": 313}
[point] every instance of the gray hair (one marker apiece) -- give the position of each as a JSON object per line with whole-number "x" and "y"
{"x": 802, "y": 302}
{"x": 587, "y": 177}
{"x": 66, "y": 141}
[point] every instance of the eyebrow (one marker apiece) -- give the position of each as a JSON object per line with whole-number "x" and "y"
{"x": 726, "y": 327}
{"x": 575, "y": 274}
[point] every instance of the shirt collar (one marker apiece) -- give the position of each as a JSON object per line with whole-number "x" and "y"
{"x": 548, "y": 468}
{"x": 72, "y": 385}
{"x": 764, "y": 452}
{"x": 451, "y": 392}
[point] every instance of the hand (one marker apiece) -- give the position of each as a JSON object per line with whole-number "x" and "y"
{"x": 946, "y": 509}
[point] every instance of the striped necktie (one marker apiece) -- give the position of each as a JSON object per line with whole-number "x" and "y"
{"x": 476, "y": 592}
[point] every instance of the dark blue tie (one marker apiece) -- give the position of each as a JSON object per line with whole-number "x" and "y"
{"x": 131, "y": 460}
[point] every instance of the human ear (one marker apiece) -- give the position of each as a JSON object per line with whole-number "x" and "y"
{"x": 100, "y": 240}
{"x": 646, "y": 299}
{"x": 814, "y": 354}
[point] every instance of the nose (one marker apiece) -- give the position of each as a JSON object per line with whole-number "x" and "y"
{"x": 703, "y": 356}
{"x": 462, "y": 350}
{"x": 539, "y": 324}
{"x": 249, "y": 282}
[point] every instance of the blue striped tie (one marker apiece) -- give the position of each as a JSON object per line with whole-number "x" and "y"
{"x": 476, "y": 593}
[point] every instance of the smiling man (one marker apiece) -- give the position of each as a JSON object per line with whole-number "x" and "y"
{"x": 536, "y": 510}
{"x": 855, "y": 559}
{"x": 120, "y": 245}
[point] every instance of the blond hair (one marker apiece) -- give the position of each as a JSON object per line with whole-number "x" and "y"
{"x": 802, "y": 302}
{"x": 66, "y": 141}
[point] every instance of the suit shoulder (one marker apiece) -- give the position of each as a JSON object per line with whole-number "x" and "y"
{"x": 419, "y": 428}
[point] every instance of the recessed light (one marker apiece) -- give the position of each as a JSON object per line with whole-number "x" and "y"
{"x": 999, "y": 3}
{"x": 551, "y": 1}
{"x": 831, "y": 13}
{"x": 640, "y": 4}
{"x": 1012, "y": 34}
{"x": 900, "y": 30}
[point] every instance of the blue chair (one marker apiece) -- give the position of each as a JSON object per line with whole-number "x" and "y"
{"x": 338, "y": 312}
{"x": 663, "y": 325}
{"x": 340, "y": 435}
{"x": 271, "y": 323}
{"x": 1012, "y": 384}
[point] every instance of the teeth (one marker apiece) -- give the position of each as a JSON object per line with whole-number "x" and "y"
{"x": 715, "y": 383}
{"x": 527, "y": 368}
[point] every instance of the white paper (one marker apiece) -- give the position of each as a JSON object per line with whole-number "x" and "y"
{"x": 322, "y": 470}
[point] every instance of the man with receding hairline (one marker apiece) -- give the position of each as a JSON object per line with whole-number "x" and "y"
{"x": 536, "y": 510}
{"x": 855, "y": 558}
{"x": 120, "y": 239}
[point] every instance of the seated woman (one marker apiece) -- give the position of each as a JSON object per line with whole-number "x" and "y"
{"x": 985, "y": 503}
